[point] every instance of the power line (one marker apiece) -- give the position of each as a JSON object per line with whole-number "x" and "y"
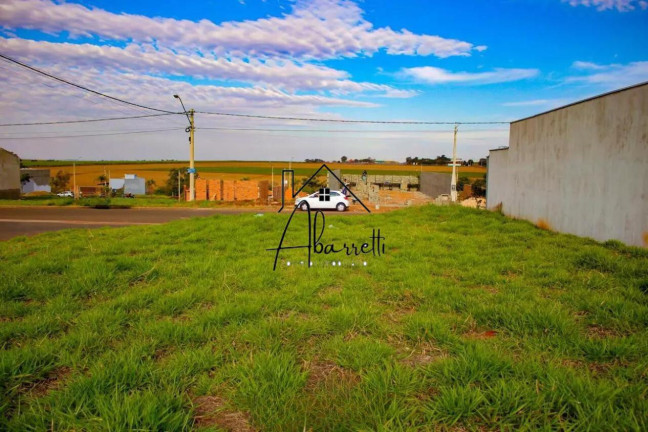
{"x": 226, "y": 129}
{"x": 33, "y": 69}
{"x": 85, "y": 121}
{"x": 92, "y": 135}
{"x": 350, "y": 121}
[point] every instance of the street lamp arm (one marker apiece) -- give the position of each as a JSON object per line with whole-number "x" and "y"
{"x": 183, "y": 109}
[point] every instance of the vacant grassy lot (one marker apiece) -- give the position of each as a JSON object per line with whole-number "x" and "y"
{"x": 470, "y": 321}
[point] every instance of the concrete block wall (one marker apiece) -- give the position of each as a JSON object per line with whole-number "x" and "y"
{"x": 434, "y": 184}
{"x": 581, "y": 169}
{"x": 400, "y": 181}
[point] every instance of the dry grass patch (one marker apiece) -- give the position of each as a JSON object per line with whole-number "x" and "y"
{"x": 327, "y": 373}
{"x": 597, "y": 331}
{"x": 211, "y": 411}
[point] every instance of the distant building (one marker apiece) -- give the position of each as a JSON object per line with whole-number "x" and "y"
{"x": 9, "y": 175}
{"x": 39, "y": 180}
{"x": 116, "y": 183}
{"x": 580, "y": 169}
{"x": 130, "y": 183}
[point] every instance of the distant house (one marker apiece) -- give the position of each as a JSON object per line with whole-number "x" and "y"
{"x": 9, "y": 175}
{"x": 130, "y": 183}
{"x": 39, "y": 180}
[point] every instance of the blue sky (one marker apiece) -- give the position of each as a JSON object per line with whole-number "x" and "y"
{"x": 337, "y": 59}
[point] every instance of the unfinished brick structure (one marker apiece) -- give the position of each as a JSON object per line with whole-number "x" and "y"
{"x": 230, "y": 190}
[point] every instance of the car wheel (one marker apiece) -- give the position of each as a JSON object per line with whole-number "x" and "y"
{"x": 340, "y": 207}
{"x": 303, "y": 206}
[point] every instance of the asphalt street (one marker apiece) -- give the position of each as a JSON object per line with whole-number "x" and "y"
{"x": 18, "y": 221}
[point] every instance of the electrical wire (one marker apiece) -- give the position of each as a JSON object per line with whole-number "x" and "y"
{"x": 43, "y": 80}
{"x": 91, "y": 135}
{"x": 226, "y": 129}
{"x": 33, "y": 69}
{"x": 350, "y": 121}
{"x": 85, "y": 121}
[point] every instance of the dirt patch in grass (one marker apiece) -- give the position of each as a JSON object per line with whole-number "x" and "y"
{"x": 54, "y": 380}
{"x": 418, "y": 355}
{"x": 599, "y": 332}
{"x": 210, "y": 411}
{"x": 487, "y": 334}
{"x": 594, "y": 367}
{"x": 398, "y": 313}
{"x": 490, "y": 289}
{"x": 320, "y": 372}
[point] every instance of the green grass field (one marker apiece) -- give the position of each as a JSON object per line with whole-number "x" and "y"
{"x": 471, "y": 321}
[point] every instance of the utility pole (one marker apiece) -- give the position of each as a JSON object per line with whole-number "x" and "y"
{"x": 192, "y": 167}
{"x": 74, "y": 191}
{"x": 453, "y": 182}
{"x": 272, "y": 180}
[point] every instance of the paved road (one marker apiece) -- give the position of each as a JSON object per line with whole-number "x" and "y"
{"x": 17, "y": 221}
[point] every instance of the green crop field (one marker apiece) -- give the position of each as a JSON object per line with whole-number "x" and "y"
{"x": 470, "y": 321}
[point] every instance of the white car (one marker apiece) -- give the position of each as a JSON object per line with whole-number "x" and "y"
{"x": 325, "y": 199}
{"x": 66, "y": 194}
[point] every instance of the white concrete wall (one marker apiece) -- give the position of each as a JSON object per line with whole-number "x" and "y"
{"x": 583, "y": 169}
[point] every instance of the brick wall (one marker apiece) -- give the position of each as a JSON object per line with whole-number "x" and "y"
{"x": 201, "y": 190}
{"x": 230, "y": 190}
{"x": 264, "y": 191}
{"x": 246, "y": 190}
{"x": 214, "y": 190}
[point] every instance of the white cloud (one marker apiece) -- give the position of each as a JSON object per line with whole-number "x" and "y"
{"x": 282, "y": 73}
{"x": 601, "y": 5}
{"x": 587, "y": 65}
{"x": 314, "y": 29}
{"x": 28, "y": 96}
{"x": 613, "y": 75}
{"x": 434, "y": 75}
